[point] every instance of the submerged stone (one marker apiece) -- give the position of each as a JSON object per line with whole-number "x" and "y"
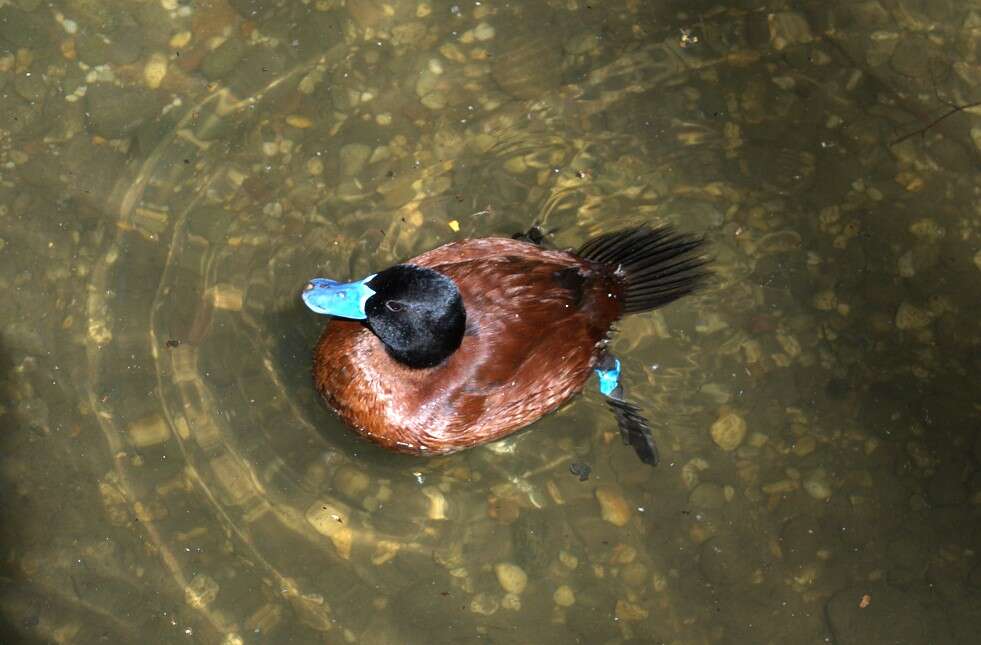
{"x": 511, "y": 577}
{"x": 115, "y": 112}
{"x": 728, "y": 431}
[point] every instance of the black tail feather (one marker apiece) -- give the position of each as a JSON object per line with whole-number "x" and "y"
{"x": 634, "y": 430}
{"x": 658, "y": 265}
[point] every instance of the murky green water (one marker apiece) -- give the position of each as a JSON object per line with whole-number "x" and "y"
{"x": 171, "y": 171}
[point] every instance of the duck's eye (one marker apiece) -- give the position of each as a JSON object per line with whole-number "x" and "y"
{"x": 394, "y": 305}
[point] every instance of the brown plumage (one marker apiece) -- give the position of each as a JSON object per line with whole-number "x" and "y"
{"x": 530, "y": 345}
{"x": 537, "y": 322}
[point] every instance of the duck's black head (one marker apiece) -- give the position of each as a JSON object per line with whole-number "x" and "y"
{"x": 417, "y": 313}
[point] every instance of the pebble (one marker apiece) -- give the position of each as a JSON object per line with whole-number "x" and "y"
{"x": 351, "y": 482}
{"x": 689, "y": 472}
{"x": 511, "y": 601}
{"x": 788, "y": 28}
{"x": 484, "y": 604}
{"x": 298, "y": 121}
{"x": 752, "y": 351}
{"x": 582, "y": 44}
{"x": 928, "y": 229}
{"x": 527, "y": 67}
{"x": 149, "y": 431}
{"x": 800, "y": 540}
{"x": 155, "y": 70}
{"x": 707, "y": 495}
{"x": 114, "y": 112}
{"x": 222, "y": 60}
{"x": 353, "y": 158}
{"x": 434, "y": 100}
{"x": 568, "y": 560}
{"x": 564, "y": 596}
{"x": 781, "y": 487}
{"x": 789, "y": 344}
{"x": 503, "y": 509}
{"x": 30, "y": 87}
{"x": 905, "y": 265}
{"x": 180, "y": 39}
{"x": 437, "y": 503}
{"x": 817, "y": 486}
{"x": 623, "y": 554}
{"x": 512, "y": 578}
{"x": 331, "y": 520}
{"x": 825, "y": 300}
{"x": 728, "y": 431}
{"x": 613, "y": 507}
{"x": 909, "y": 316}
{"x": 483, "y": 32}
{"x": 804, "y": 446}
{"x": 515, "y": 165}
{"x": 629, "y": 611}
{"x": 201, "y": 591}
{"x": 634, "y": 575}
{"x": 227, "y": 297}
{"x": 120, "y": 47}
{"x": 426, "y": 83}
{"x": 315, "y": 166}
{"x": 410, "y": 34}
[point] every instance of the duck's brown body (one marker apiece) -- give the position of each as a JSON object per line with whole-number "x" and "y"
{"x": 536, "y": 323}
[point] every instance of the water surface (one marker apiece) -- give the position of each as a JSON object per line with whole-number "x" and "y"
{"x": 172, "y": 171}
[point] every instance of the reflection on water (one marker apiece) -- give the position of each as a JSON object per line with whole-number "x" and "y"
{"x": 172, "y": 171}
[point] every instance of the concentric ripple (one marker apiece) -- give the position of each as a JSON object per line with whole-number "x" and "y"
{"x": 266, "y": 512}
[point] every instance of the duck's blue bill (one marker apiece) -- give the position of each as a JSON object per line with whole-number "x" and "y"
{"x": 341, "y": 299}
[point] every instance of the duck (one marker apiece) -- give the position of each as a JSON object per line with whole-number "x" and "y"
{"x": 478, "y": 338}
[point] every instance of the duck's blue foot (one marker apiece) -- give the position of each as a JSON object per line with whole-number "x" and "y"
{"x": 608, "y": 373}
{"x": 634, "y": 429}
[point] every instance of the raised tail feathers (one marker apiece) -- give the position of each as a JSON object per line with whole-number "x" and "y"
{"x": 658, "y": 265}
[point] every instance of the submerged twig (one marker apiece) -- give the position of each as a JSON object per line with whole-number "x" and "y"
{"x": 952, "y": 111}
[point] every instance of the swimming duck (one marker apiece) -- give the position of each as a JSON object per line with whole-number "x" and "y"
{"x": 469, "y": 342}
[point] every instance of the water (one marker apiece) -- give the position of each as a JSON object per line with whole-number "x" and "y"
{"x": 171, "y": 172}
